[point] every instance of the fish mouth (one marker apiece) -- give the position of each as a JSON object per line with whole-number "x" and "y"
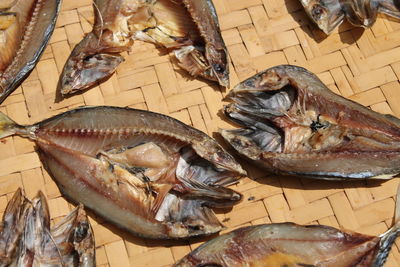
{"x": 286, "y": 112}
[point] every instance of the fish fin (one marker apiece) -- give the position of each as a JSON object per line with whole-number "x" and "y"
{"x": 216, "y": 196}
{"x": 190, "y": 218}
{"x": 161, "y": 193}
{"x": 7, "y": 126}
{"x": 191, "y": 60}
{"x": 42, "y": 209}
{"x": 388, "y": 238}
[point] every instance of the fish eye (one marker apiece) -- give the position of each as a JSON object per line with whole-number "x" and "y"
{"x": 218, "y": 68}
{"x": 317, "y": 12}
{"x": 81, "y": 231}
{"x": 249, "y": 83}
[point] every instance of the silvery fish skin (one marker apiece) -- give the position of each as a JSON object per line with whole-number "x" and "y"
{"x": 328, "y": 14}
{"x": 25, "y": 29}
{"x": 29, "y": 241}
{"x": 293, "y": 124}
{"x": 189, "y": 28}
{"x": 145, "y": 172}
{"x": 289, "y": 244}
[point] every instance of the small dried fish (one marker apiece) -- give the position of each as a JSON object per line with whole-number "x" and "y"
{"x": 293, "y": 124}
{"x": 289, "y": 244}
{"x": 145, "y": 172}
{"x": 25, "y": 29}
{"x": 189, "y": 28}
{"x": 26, "y": 238}
{"x": 328, "y": 14}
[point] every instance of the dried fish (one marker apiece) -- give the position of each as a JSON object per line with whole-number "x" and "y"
{"x": 189, "y": 28}
{"x": 145, "y": 172}
{"x": 26, "y": 238}
{"x": 293, "y": 124}
{"x": 11, "y": 228}
{"x": 328, "y": 14}
{"x": 289, "y": 244}
{"x": 25, "y": 29}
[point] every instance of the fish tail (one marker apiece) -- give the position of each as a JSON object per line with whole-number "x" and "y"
{"x": 7, "y": 126}
{"x": 388, "y": 238}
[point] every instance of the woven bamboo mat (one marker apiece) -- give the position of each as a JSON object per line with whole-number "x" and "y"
{"x": 363, "y": 65}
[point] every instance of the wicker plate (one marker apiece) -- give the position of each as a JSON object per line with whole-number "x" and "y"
{"x": 363, "y": 65}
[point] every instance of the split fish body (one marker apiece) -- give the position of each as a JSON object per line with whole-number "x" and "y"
{"x": 29, "y": 241}
{"x": 145, "y": 172}
{"x": 328, "y": 14}
{"x": 293, "y": 124}
{"x": 189, "y": 28}
{"x": 25, "y": 29}
{"x": 289, "y": 244}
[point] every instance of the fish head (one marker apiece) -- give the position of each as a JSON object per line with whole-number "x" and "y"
{"x": 218, "y": 62}
{"x": 74, "y": 237}
{"x": 327, "y": 14}
{"x": 83, "y": 71}
{"x": 211, "y": 65}
{"x": 290, "y": 121}
{"x": 83, "y": 238}
{"x": 213, "y": 152}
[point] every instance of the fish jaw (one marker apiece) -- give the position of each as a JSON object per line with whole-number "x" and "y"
{"x": 85, "y": 67}
{"x": 292, "y": 123}
{"x": 20, "y": 55}
{"x": 213, "y": 152}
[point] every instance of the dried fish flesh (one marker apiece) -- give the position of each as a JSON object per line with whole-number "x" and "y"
{"x": 189, "y": 28}
{"x": 26, "y": 238}
{"x": 293, "y": 124}
{"x": 145, "y": 172}
{"x": 328, "y": 14}
{"x": 289, "y": 244}
{"x": 25, "y": 29}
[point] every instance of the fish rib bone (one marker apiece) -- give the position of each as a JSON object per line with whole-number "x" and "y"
{"x": 27, "y": 35}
